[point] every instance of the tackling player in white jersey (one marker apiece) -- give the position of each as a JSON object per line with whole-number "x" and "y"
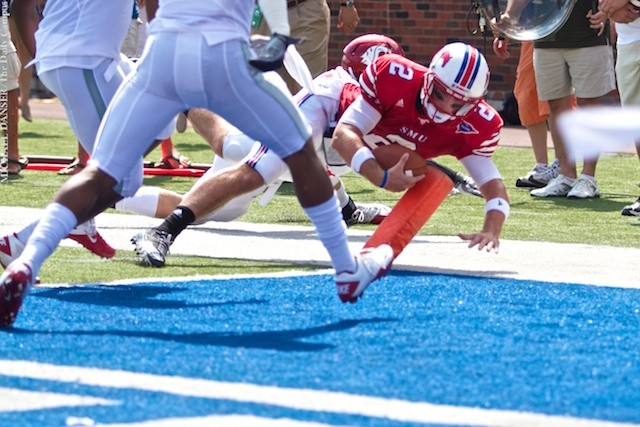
{"x": 197, "y": 56}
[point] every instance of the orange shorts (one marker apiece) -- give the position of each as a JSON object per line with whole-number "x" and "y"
{"x": 530, "y": 109}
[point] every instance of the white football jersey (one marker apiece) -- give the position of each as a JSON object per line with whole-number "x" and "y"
{"x": 217, "y": 20}
{"x": 81, "y": 33}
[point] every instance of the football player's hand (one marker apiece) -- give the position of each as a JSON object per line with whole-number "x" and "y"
{"x": 484, "y": 240}
{"x": 270, "y": 55}
{"x": 397, "y": 179}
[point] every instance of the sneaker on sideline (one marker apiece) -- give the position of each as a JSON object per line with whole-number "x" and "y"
{"x": 629, "y": 210}
{"x": 369, "y": 213}
{"x": 15, "y": 283}
{"x": 557, "y": 187}
{"x": 87, "y": 235}
{"x": 539, "y": 176}
{"x": 371, "y": 264}
{"x": 152, "y": 247}
{"x": 584, "y": 188}
{"x": 10, "y": 249}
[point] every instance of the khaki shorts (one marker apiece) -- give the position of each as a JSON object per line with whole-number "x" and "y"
{"x": 628, "y": 72}
{"x": 310, "y": 21}
{"x": 9, "y": 72}
{"x": 588, "y": 72}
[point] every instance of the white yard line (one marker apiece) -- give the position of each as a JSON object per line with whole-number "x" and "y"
{"x": 298, "y": 399}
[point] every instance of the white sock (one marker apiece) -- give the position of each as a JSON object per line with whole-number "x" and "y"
{"x": 54, "y": 225}
{"x": 341, "y": 193}
{"x": 588, "y": 177}
{"x": 144, "y": 202}
{"x": 331, "y": 231}
{"x": 24, "y": 234}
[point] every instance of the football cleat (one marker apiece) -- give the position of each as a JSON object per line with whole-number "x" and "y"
{"x": 152, "y": 247}
{"x": 629, "y": 210}
{"x": 368, "y": 213}
{"x": 15, "y": 283}
{"x": 371, "y": 264}
{"x": 88, "y": 236}
{"x": 10, "y": 249}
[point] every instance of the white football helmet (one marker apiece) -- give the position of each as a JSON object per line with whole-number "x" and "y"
{"x": 460, "y": 71}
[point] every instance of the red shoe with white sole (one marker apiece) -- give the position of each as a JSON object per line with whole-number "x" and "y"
{"x": 88, "y": 236}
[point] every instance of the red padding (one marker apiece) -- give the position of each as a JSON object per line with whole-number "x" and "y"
{"x": 412, "y": 211}
{"x": 189, "y": 172}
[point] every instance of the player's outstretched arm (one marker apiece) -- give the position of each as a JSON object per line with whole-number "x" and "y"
{"x": 496, "y": 213}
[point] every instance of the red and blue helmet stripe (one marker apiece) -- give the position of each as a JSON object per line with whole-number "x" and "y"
{"x": 469, "y": 69}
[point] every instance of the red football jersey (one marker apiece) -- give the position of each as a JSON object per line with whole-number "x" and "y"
{"x": 392, "y": 86}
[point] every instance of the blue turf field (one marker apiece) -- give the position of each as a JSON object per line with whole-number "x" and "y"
{"x": 419, "y": 349}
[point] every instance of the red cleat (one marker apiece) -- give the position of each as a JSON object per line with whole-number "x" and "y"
{"x": 10, "y": 249}
{"x": 88, "y": 236}
{"x": 15, "y": 283}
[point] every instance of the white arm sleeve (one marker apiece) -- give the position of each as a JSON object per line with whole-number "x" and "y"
{"x": 361, "y": 115}
{"x": 482, "y": 169}
{"x": 276, "y": 14}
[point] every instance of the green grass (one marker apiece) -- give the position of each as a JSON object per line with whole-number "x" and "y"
{"x": 560, "y": 220}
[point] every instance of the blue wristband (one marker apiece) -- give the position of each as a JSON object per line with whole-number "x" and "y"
{"x": 384, "y": 179}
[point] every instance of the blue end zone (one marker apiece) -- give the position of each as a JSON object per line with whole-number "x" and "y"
{"x": 556, "y": 349}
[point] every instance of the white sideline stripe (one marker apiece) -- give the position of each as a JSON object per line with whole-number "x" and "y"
{"x": 13, "y": 400}
{"x": 222, "y": 421}
{"x": 300, "y": 399}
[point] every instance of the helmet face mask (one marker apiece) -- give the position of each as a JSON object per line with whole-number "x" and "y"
{"x": 365, "y": 49}
{"x": 458, "y": 78}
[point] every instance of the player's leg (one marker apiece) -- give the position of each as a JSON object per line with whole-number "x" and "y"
{"x": 280, "y": 126}
{"x": 116, "y": 171}
{"x": 223, "y": 193}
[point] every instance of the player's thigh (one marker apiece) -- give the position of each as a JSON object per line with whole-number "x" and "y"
{"x": 266, "y": 163}
{"x": 552, "y": 74}
{"x": 242, "y": 96}
{"x": 133, "y": 121}
{"x": 592, "y": 71}
{"x": 85, "y": 95}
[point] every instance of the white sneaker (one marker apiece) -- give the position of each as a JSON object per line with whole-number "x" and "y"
{"x": 10, "y": 249}
{"x": 539, "y": 176}
{"x": 371, "y": 264}
{"x": 584, "y": 188}
{"x": 559, "y": 186}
